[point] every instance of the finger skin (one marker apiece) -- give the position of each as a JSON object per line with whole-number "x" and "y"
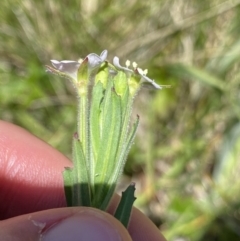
{"x": 30, "y": 173}
{"x": 31, "y": 180}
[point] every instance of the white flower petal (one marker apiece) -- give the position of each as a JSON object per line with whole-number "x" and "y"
{"x": 116, "y": 62}
{"x": 118, "y": 66}
{"x": 94, "y": 60}
{"x": 68, "y": 67}
{"x": 103, "y": 55}
{"x": 147, "y": 80}
{"x": 134, "y": 64}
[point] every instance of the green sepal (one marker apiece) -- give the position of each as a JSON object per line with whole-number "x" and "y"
{"x": 82, "y": 78}
{"x": 124, "y": 209}
{"x": 106, "y": 158}
{"x": 124, "y": 150}
{"x": 68, "y": 185}
{"x": 95, "y": 112}
{"x": 134, "y": 84}
{"x": 130, "y": 138}
{"x": 120, "y": 83}
{"x": 121, "y": 86}
{"x": 102, "y": 74}
{"x": 81, "y": 193}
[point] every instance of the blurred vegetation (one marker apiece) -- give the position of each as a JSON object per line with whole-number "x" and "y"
{"x": 185, "y": 160}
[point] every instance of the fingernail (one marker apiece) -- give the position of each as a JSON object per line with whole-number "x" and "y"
{"x": 84, "y": 226}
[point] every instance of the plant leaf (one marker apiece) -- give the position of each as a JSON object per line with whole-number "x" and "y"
{"x": 124, "y": 208}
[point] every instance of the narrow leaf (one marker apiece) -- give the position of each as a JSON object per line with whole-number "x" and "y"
{"x": 81, "y": 187}
{"x": 95, "y": 112}
{"x": 124, "y": 208}
{"x": 125, "y": 150}
{"x": 106, "y": 160}
{"x": 68, "y": 185}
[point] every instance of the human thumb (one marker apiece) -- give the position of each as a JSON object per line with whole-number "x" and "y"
{"x": 70, "y": 224}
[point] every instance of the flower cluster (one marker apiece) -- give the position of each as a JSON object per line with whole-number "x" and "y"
{"x": 104, "y": 135}
{"x": 69, "y": 68}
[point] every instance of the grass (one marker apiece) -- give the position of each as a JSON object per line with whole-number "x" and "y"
{"x": 185, "y": 160}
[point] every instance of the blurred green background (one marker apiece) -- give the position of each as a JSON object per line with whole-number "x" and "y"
{"x": 185, "y": 160}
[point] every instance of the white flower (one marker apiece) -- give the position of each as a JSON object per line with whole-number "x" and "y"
{"x": 139, "y": 71}
{"x": 70, "y": 68}
{"x": 145, "y": 79}
{"x": 94, "y": 60}
{"x": 67, "y": 66}
{"x": 118, "y": 66}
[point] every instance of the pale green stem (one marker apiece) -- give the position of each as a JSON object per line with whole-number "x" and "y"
{"x": 84, "y": 136}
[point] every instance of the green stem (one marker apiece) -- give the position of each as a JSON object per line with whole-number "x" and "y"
{"x": 84, "y": 136}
